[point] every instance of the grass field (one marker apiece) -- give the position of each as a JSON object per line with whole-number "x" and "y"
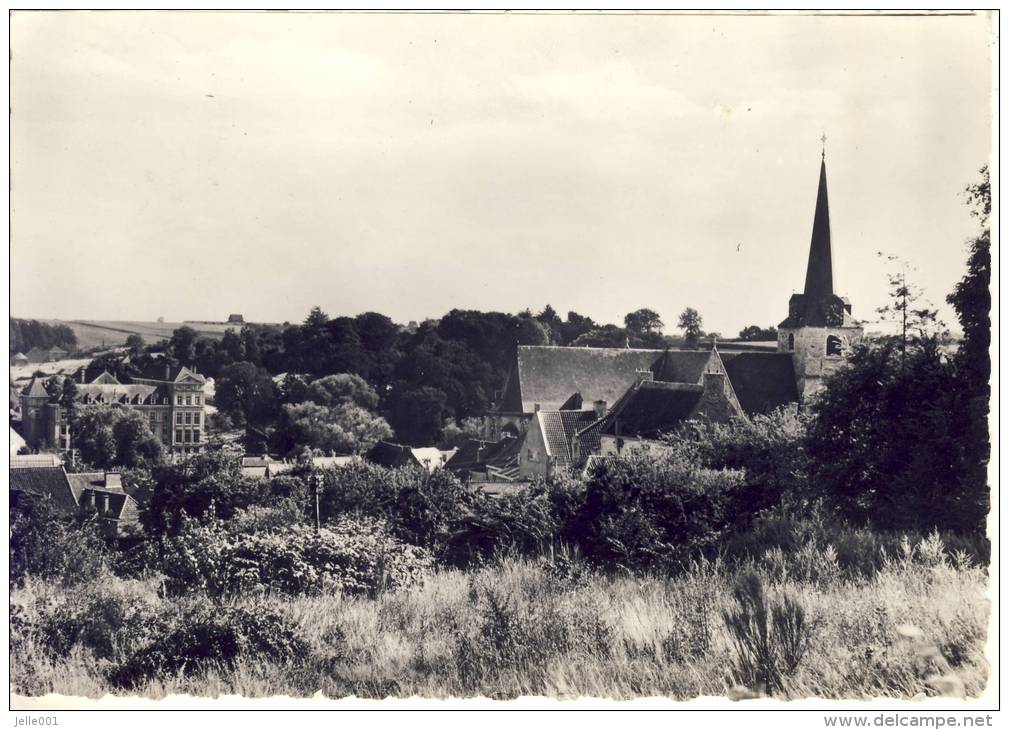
{"x": 519, "y": 627}
{"x": 112, "y": 333}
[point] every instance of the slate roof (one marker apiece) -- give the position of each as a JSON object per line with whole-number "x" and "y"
{"x": 560, "y": 428}
{"x": 45, "y": 481}
{"x": 122, "y": 506}
{"x": 159, "y": 370}
{"x": 114, "y": 393}
{"x": 653, "y": 409}
{"x": 477, "y": 454}
{"x": 548, "y": 375}
{"x": 762, "y": 381}
{"x": 388, "y": 454}
{"x": 681, "y": 366}
{"x": 20, "y": 461}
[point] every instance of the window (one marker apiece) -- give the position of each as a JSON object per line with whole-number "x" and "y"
{"x": 152, "y": 417}
{"x": 196, "y": 399}
{"x": 178, "y": 435}
{"x": 188, "y": 435}
{"x": 833, "y": 346}
{"x": 178, "y": 400}
{"x": 791, "y": 342}
{"x": 189, "y": 418}
{"x": 196, "y": 436}
{"x": 189, "y": 400}
{"x": 178, "y": 419}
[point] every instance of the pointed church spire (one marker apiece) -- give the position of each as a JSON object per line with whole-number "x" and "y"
{"x": 820, "y": 270}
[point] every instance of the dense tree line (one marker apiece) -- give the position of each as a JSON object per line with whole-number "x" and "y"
{"x": 26, "y": 334}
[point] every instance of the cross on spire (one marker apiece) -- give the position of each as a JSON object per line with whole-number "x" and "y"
{"x": 823, "y": 146}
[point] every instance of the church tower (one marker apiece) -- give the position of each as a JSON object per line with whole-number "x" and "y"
{"x": 819, "y": 328}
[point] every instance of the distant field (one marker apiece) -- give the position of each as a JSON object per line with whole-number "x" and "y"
{"x": 96, "y": 333}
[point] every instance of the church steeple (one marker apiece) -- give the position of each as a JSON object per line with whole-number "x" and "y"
{"x": 820, "y": 269}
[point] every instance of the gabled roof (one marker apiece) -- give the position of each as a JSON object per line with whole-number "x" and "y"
{"x": 559, "y": 430}
{"x": 652, "y": 409}
{"x": 106, "y": 378}
{"x": 165, "y": 372}
{"x": 548, "y": 375}
{"x": 122, "y": 506}
{"x": 101, "y": 393}
{"x": 681, "y": 366}
{"x": 45, "y": 481}
{"x": 762, "y": 381}
{"x": 476, "y": 454}
{"x": 388, "y": 454}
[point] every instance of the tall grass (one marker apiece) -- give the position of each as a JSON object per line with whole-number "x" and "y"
{"x": 915, "y": 625}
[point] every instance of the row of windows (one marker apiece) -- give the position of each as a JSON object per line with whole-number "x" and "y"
{"x": 189, "y": 399}
{"x": 187, "y": 436}
{"x": 188, "y": 418}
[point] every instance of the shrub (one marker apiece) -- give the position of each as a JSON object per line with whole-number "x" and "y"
{"x": 205, "y": 636}
{"x": 769, "y": 639}
{"x": 645, "y": 511}
{"x": 352, "y": 555}
{"x": 50, "y": 545}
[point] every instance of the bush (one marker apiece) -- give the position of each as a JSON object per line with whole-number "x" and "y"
{"x": 210, "y": 636}
{"x": 356, "y": 556}
{"x": 645, "y": 511}
{"x": 769, "y": 640}
{"x": 47, "y": 544}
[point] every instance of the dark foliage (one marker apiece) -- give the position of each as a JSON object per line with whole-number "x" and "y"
{"x": 26, "y": 334}
{"x": 50, "y": 545}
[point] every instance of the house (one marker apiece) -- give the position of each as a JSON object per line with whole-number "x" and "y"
{"x": 46, "y": 354}
{"x": 169, "y": 396}
{"x": 94, "y": 492}
{"x": 487, "y": 462}
{"x": 236, "y": 319}
{"x": 393, "y": 456}
{"x": 19, "y": 359}
{"x": 548, "y": 443}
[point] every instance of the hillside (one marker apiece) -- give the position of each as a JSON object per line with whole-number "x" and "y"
{"x": 110, "y": 333}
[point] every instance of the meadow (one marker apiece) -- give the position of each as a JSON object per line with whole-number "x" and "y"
{"x": 113, "y": 333}
{"x": 793, "y": 625}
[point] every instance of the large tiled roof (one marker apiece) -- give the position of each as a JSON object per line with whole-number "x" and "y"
{"x": 762, "y": 381}
{"x": 548, "y": 376}
{"x": 122, "y": 506}
{"x": 653, "y": 409}
{"x": 45, "y": 481}
{"x": 559, "y": 430}
{"x": 681, "y": 366}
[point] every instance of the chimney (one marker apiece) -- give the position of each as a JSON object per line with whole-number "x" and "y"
{"x": 113, "y": 480}
{"x": 105, "y": 502}
{"x": 91, "y": 499}
{"x": 644, "y": 376}
{"x": 168, "y": 371}
{"x": 80, "y": 376}
{"x": 536, "y": 407}
{"x": 599, "y": 407}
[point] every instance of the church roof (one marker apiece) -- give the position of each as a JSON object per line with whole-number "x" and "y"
{"x": 548, "y": 376}
{"x": 761, "y": 381}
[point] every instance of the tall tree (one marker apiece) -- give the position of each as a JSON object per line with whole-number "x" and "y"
{"x": 690, "y": 322}
{"x": 644, "y": 322}
{"x": 182, "y": 345}
{"x": 913, "y": 319}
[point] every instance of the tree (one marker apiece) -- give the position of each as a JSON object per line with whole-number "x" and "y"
{"x": 418, "y": 415}
{"x": 644, "y": 322}
{"x": 110, "y": 436}
{"x": 182, "y": 345}
{"x": 753, "y": 333}
{"x": 912, "y": 321}
{"x": 247, "y": 392}
{"x": 345, "y": 428}
{"x": 690, "y": 322}
{"x": 68, "y": 399}
{"x": 606, "y": 336}
{"x": 342, "y": 389}
{"x": 972, "y": 297}
{"x": 135, "y": 343}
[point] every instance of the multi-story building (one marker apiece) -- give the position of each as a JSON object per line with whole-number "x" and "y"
{"x": 170, "y": 397}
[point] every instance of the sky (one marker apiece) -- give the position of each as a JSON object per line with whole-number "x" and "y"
{"x": 190, "y": 165}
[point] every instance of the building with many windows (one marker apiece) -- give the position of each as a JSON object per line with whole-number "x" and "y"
{"x": 170, "y": 396}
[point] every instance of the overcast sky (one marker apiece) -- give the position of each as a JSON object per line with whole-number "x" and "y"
{"x": 190, "y": 165}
